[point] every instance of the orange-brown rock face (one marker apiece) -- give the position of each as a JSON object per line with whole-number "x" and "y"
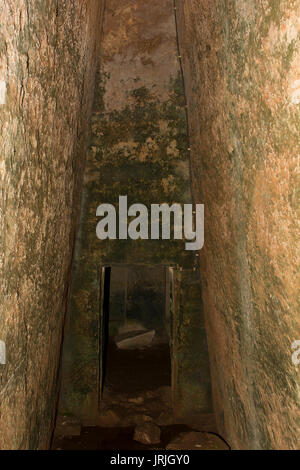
{"x": 47, "y": 66}
{"x": 242, "y": 67}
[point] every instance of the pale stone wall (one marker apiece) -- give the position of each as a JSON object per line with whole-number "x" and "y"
{"x": 48, "y": 51}
{"x": 241, "y": 60}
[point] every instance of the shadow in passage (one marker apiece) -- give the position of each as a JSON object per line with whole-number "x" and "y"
{"x": 136, "y": 410}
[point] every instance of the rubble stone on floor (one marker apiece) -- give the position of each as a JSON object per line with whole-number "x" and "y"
{"x": 67, "y": 426}
{"x": 147, "y": 433}
{"x": 109, "y": 418}
{"x": 197, "y": 441}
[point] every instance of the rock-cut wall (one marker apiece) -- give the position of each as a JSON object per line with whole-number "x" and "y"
{"x": 242, "y": 71}
{"x": 48, "y": 51}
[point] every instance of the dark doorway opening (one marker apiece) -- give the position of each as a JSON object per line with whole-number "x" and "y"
{"x": 138, "y": 369}
{"x": 135, "y": 336}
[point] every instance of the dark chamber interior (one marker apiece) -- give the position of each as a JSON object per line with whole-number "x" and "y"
{"x": 137, "y": 329}
{"x": 136, "y": 369}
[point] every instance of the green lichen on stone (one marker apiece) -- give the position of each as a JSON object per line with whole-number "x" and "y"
{"x": 140, "y": 151}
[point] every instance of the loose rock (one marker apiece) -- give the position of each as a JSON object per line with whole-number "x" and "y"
{"x": 108, "y": 419}
{"x": 147, "y": 433}
{"x": 197, "y": 441}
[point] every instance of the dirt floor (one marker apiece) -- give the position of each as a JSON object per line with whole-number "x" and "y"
{"x": 136, "y": 411}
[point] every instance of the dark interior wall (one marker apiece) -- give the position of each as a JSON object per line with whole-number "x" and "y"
{"x": 118, "y": 299}
{"x": 241, "y": 61}
{"x": 48, "y": 51}
{"x": 137, "y": 298}
{"x": 146, "y": 296}
{"x": 191, "y": 374}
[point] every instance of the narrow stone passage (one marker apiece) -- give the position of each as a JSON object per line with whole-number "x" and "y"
{"x": 136, "y": 409}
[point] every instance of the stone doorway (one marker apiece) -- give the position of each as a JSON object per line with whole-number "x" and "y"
{"x": 135, "y": 329}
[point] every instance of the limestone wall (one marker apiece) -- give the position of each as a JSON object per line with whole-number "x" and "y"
{"x": 47, "y": 66}
{"x": 242, "y": 71}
